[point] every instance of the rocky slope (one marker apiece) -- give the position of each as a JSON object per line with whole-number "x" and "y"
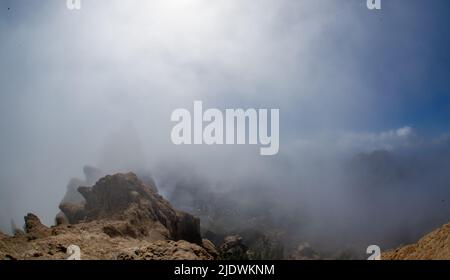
{"x": 120, "y": 218}
{"x": 433, "y": 246}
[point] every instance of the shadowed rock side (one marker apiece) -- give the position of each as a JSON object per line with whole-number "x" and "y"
{"x": 121, "y": 218}
{"x": 433, "y": 246}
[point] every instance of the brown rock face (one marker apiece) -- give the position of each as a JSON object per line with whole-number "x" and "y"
{"x": 73, "y": 213}
{"x": 123, "y": 197}
{"x": 210, "y": 248}
{"x": 167, "y": 250}
{"x": 433, "y": 246}
{"x": 120, "y": 217}
{"x": 34, "y": 228}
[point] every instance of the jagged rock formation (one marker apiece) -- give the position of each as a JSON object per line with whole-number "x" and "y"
{"x": 433, "y": 246}
{"x": 123, "y": 197}
{"x": 120, "y": 218}
{"x": 34, "y": 228}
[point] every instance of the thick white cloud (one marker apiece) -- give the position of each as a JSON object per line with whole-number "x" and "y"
{"x": 72, "y": 81}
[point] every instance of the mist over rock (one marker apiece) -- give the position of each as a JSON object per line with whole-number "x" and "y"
{"x": 73, "y": 199}
{"x": 72, "y": 195}
{"x": 120, "y": 217}
{"x": 123, "y": 197}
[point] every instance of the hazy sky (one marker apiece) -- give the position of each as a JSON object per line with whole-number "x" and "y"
{"x": 97, "y": 86}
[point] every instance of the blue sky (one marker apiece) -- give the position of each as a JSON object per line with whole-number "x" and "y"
{"x": 419, "y": 35}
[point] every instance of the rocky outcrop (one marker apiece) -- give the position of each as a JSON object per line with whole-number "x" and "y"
{"x": 210, "y": 248}
{"x": 123, "y": 197}
{"x": 433, "y": 246}
{"x": 95, "y": 244}
{"x": 120, "y": 217}
{"x": 72, "y": 213}
{"x": 34, "y": 228}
